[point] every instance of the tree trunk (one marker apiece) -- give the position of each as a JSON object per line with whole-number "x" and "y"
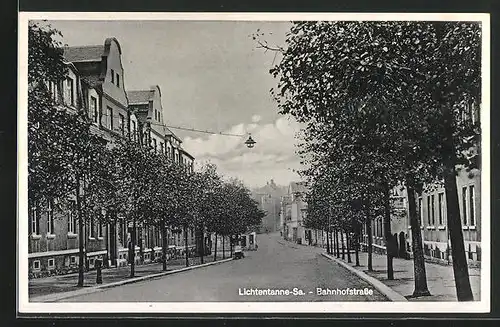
{"x": 370, "y": 241}
{"x": 202, "y": 243}
{"x": 186, "y": 245}
{"x": 388, "y": 233}
{"x": 328, "y": 243}
{"x": 342, "y": 244}
{"x": 460, "y": 269}
{"x": 230, "y": 246}
{"x": 416, "y": 237}
{"x": 223, "y": 247}
{"x": 332, "y": 242}
{"x": 356, "y": 245}
{"x": 215, "y": 247}
{"x": 164, "y": 245}
{"x": 81, "y": 236}
{"x": 132, "y": 259}
{"x": 337, "y": 244}
{"x": 348, "y": 246}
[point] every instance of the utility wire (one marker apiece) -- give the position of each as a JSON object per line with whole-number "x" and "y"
{"x": 188, "y": 129}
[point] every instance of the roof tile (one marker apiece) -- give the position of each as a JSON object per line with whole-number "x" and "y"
{"x": 84, "y": 53}
{"x": 136, "y": 97}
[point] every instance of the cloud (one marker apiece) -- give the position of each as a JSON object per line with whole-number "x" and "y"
{"x": 256, "y": 118}
{"x": 272, "y": 157}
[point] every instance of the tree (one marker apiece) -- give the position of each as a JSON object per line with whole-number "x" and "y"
{"x": 393, "y": 66}
{"x": 63, "y": 152}
{"x": 136, "y": 172}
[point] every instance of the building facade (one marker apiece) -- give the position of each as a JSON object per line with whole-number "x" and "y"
{"x": 431, "y": 209}
{"x": 294, "y": 212}
{"x": 95, "y": 82}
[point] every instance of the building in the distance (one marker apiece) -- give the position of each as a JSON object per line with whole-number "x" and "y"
{"x": 269, "y": 199}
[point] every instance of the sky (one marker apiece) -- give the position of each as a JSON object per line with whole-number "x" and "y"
{"x": 212, "y": 77}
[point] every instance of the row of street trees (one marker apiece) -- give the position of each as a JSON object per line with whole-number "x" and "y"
{"x": 108, "y": 179}
{"x": 384, "y": 104}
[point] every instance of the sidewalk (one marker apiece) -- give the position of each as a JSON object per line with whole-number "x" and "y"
{"x": 67, "y": 283}
{"x": 440, "y": 280}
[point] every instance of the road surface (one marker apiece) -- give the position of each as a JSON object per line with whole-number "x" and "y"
{"x": 277, "y": 266}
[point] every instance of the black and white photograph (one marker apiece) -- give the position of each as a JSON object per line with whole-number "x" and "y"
{"x": 253, "y": 163}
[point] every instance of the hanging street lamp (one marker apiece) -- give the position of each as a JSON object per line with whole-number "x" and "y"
{"x": 250, "y": 142}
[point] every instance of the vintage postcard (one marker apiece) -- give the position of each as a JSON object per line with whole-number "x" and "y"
{"x": 253, "y": 163}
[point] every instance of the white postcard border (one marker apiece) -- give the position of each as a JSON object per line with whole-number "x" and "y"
{"x": 24, "y": 306}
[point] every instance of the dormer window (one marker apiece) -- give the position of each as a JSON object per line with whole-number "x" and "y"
{"x": 117, "y": 80}
{"x": 112, "y": 76}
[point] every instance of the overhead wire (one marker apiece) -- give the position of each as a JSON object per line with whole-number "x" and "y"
{"x": 187, "y": 128}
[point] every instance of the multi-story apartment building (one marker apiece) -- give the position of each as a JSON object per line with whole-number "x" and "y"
{"x": 431, "y": 210}
{"x": 151, "y": 128}
{"x": 292, "y": 214}
{"x": 95, "y": 82}
{"x": 296, "y": 208}
{"x": 268, "y": 198}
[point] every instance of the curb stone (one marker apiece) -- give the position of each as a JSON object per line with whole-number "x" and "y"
{"x": 378, "y": 285}
{"x": 95, "y": 289}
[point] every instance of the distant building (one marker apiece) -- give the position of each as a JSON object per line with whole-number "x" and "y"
{"x": 294, "y": 212}
{"x": 269, "y": 198}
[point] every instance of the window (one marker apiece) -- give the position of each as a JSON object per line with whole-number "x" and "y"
{"x": 91, "y": 228}
{"x": 433, "y": 214}
{"x": 421, "y": 211}
{"x": 162, "y": 148}
{"x": 157, "y": 236}
{"x": 110, "y": 118}
{"x": 121, "y": 124}
{"x": 429, "y": 210}
{"x": 154, "y": 144}
{"x": 94, "y": 110}
{"x": 51, "y": 264}
{"x": 112, "y": 76}
{"x": 72, "y": 260}
{"x": 70, "y": 92}
{"x": 464, "y": 205}
{"x": 99, "y": 229}
{"x": 117, "y": 80}
{"x": 35, "y": 219}
{"x": 36, "y": 264}
{"x": 50, "y": 219}
{"x": 53, "y": 90}
{"x": 146, "y": 236}
{"x": 134, "y": 128}
{"x": 472, "y": 205}
{"x": 71, "y": 218}
{"x": 441, "y": 208}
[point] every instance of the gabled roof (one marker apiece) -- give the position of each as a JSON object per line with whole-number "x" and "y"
{"x": 84, "y": 53}
{"x": 140, "y": 97}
